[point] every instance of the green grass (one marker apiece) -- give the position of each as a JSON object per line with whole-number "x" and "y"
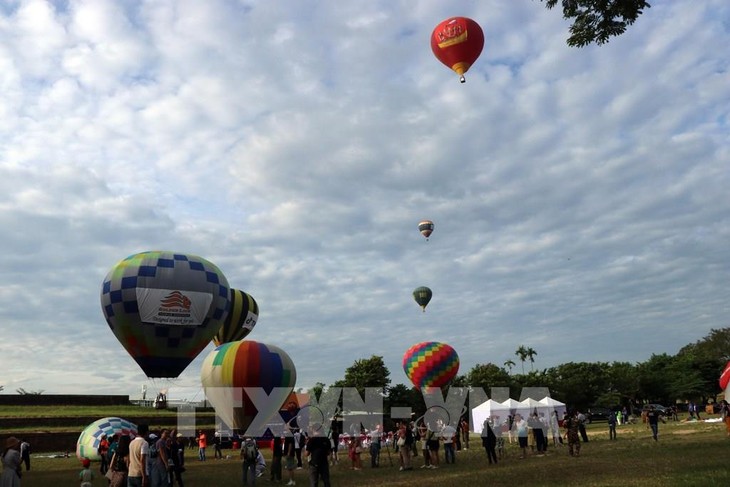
{"x": 687, "y": 454}
{"x": 94, "y": 411}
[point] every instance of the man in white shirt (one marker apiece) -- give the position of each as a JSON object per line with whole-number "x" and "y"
{"x": 139, "y": 450}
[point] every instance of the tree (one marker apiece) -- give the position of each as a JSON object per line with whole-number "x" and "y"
{"x": 531, "y": 354}
{"x": 509, "y": 364}
{"x": 598, "y": 20}
{"x": 521, "y": 352}
{"x": 364, "y": 373}
{"x": 23, "y": 392}
{"x": 487, "y": 376}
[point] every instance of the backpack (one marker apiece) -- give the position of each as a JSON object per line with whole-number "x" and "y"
{"x": 250, "y": 452}
{"x": 154, "y": 453}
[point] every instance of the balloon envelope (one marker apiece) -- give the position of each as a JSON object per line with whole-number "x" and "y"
{"x": 88, "y": 443}
{"x": 422, "y": 295}
{"x": 457, "y": 42}
{"x": 430, "y": 364}
{"x": 426, "y": 228}
{"x": 231, "y": 367}
{"x": 243, "y": 313}
{"x": 164, "y": 308}
{"x": 725, "y": 379}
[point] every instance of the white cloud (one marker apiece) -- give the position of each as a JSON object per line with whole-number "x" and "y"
{"x": 580, "y": 195}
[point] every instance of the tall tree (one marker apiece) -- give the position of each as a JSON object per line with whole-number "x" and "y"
{"x": 598, "y": 20}
{"x": 364, "y": 373}
{"x": 531, "y": 355}
{"x": 509, "y": 364}
{"x": 487, "y": 376}
{"x": 521, "y": 352}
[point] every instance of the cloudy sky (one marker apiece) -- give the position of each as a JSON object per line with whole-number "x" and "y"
{"x": 580, "y": 196}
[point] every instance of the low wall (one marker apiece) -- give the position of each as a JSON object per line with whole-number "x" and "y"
{"x": 62, "y": 400}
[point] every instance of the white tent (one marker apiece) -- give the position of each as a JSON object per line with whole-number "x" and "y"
{"x": 488, "y": 409}
{"x": 554, "y": 404}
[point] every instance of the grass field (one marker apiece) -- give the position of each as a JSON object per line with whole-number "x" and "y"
{"x": 687, "y": 454}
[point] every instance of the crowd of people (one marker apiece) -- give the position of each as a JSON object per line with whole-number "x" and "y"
{"x": 158, "y": 459}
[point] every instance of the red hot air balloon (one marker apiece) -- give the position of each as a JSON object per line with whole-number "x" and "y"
{"x": 457, "y": 42}
{"x": 725, "y": 381}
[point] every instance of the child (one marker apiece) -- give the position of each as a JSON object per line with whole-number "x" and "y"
{"x": 86, "y": 476}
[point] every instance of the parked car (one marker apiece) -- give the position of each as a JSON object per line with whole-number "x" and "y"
{"x": 597, "y": 414}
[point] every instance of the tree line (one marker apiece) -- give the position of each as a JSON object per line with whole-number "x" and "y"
{"x": 690, "y": 375}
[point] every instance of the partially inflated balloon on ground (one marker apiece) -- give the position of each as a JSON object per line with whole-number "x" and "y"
{"x": 164, "y": 308}
{"x": 233, "y": 366}
{"x": 430, "y": 364}
{"x": 243, "y": 313}
{"x": 87, "y": 445}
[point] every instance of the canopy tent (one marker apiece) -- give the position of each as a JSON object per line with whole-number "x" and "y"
{"x": 554, "y": 404}
{"x": 488, "y": 409}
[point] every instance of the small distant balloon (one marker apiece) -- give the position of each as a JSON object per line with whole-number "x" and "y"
{"x": 243, "y": 313}
{"x": 426, "y": 228}
{"x": 422, "y": 295}
{"x": 430, "y": 364}
{"x": 457, "y": 42}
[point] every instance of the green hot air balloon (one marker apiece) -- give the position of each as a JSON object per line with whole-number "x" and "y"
{"x": 243, "y": 314}
{"x": 422, "y": 295}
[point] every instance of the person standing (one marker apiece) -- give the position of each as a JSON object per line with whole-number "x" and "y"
{"x": 290, "y": 458}
{"x": 318, "y": 449}
{"x": 298, "y": 442}
{"x": 202, "y": 445}
{"x": 139, "y": 450}
{"x": 375, "y": 437}
{"x": 276, "y": 454}
{"x": 652, "y": 418}
{"x": 448, "y": 433}
{"x": 582, "y": 426}
{"x": 404, "y": 443}
{"x": 11, "y": 463}
{"x": 571, "y": 424}
{"x": 119, "y": 462}
{"x": 489, "y": 440}
{"x": 159, "y": 466}
{"x": 86, "y": 476}
{"x": 249, "y": 455}
{"x": 612, "y": 421}
{"x": 217, "y": 453}
{"x": 177, "y": 459}
{"x": 25, "y": 454}
{"x": 522, "y": 430}
{"x": 464, "y": 428}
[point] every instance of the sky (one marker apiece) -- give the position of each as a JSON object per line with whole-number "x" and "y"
{"x": 580, "y": 196}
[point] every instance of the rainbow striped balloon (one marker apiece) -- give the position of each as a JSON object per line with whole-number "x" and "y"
{"x": 430, "y": 364}
{"x": 233, "y": 366}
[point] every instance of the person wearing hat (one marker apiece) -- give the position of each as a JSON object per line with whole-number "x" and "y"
{"x": 86, "y": 476}
{"x": 11, "y": 463}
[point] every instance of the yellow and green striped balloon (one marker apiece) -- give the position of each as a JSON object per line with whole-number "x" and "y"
{"x": 243, "y": 313}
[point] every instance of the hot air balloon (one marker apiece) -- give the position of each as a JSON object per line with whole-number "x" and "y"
{"x": 87, "y": 446}
{"x": 426, "y": 228}
{"x": 430, "y": 364}
{"x": 422, "y": 295}
{"x": 164, "y": 308}
{"x": 457, "y": 42}
{"x": 725, "y": 381}
{"x": 243, "y": 313}
{"x": 233, "y": 366}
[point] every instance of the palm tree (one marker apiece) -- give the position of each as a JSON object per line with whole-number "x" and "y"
{"x": 509, "y": 364}
{"x": 521, "y": 352}
{"x": 531, "y": 353}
